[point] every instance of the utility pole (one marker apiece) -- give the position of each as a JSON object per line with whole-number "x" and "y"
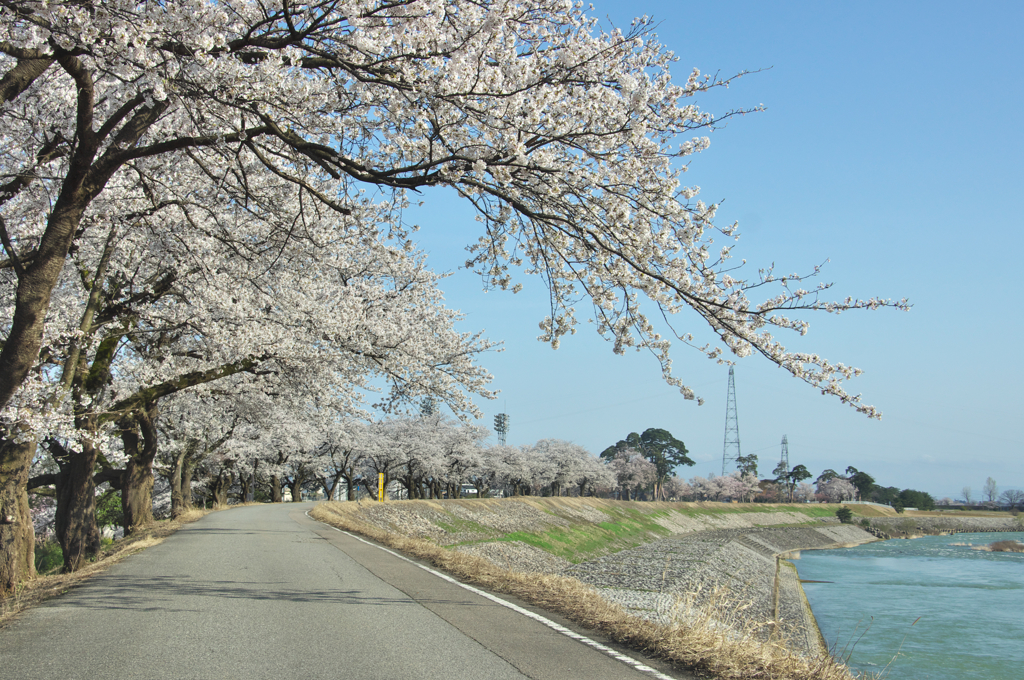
{"x": 731, "y": 449}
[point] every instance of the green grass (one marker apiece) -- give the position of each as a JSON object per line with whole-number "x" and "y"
{"x": 49, "y": 557}
{"x": 582, "y": 541}
{"x": 457, "y": 525}
{"x": 627, "y": 526}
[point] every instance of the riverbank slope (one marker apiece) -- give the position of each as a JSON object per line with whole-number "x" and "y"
{"x": 658, "y": 561}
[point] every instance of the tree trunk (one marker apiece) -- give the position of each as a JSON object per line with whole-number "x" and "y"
{"x": 137, "y": 479}
{"x": 412, "y": 486}
{"x": 220, "y": 487}
{"x": 350, "y": 487}
{"x": 275, "y": 489}
{"x": 178, "y": 505}
{"x": 17, "y": 537}
{"x": 296, "y": 487}
{"x": 35, "y": 284}
{"x": 75, "y": 521}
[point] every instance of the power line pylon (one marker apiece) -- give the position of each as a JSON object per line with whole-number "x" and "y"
{"x": 785, "y": 453}
{"x": 731, "y": 449}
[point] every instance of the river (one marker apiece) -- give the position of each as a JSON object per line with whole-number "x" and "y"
{"x": 929, "y": 608}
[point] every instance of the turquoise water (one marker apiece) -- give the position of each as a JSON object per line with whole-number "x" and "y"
{"x": 926, "y": 608}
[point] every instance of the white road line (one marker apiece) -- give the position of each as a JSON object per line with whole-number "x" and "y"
{"x": 629, "y": 661}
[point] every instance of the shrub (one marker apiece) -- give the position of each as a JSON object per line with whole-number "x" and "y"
{"x": 108, "y": 510}
{"x": 49, "y": 557}
{"x": 845, "y": 515}
{"x": 866, "y": 523}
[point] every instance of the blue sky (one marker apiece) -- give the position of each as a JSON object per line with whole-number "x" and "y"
{"x": 891, "y": 145}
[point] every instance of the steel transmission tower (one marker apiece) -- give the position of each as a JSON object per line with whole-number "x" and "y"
{"x": 785, "y": 452}
{"x": 501, "y": 426}
{"x": 731, "y": 449}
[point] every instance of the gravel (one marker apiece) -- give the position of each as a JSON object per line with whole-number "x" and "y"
{"x": 517, "y": 556}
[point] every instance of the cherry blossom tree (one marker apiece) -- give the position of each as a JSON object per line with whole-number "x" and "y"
{"x": 514, "y": 468}
{"x": 569, "y": 141}
{"x": 837, "y": 489}
{"x": 737, "y": 486}
{"x": 633, "y": 472}
{"x": 804, "y": 493}
{"x": 746, "y": 486}
{"x": 570, "y": 466}
{"x": 193, "y": 425}
{"x": 342, "y": 457}
{"x": 594, "y": 476}
{"x": 677, "y": 489}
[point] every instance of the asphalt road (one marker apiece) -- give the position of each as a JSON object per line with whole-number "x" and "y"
{"x": 267, "y": 592}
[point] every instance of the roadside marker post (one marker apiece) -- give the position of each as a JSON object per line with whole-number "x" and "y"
{"x": 380, "y": 487}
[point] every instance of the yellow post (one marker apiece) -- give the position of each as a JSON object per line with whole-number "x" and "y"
{"x": 380, "y": 487}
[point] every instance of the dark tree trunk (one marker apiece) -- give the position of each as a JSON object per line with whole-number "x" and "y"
{"x": 177, "y": 497}
{"x": 296, "y": 486}
{"x": 17, "y": 537}
{"x": 181, "y": 480}
{"x": 220, "y": 486}
{"x": 275, "y": 489}
{"x": 75, "y": 521}
{"x": 137, "y": 478}
{"x": 351, "y": 487}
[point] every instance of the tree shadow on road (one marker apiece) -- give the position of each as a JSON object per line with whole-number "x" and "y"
{"x": 179, "y": 593}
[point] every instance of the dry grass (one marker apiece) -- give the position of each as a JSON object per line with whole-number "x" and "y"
{"x": 43, "y": 588}
{"x": 1003, "y": 546}
{"x": 698, "y": 640}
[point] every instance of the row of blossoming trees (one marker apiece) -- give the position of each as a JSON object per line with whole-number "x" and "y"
{"x": 223, "y": 458}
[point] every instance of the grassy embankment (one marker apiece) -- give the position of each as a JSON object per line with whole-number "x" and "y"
{"x": 572, "y": 536}
{"x": 698, "y": 641}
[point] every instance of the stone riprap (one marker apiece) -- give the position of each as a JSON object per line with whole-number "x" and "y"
{"x": 733, "y": 573}
{"x": 930, "y": 524}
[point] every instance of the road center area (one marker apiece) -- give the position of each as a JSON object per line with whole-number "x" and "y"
{"x": 264, "y": 591}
